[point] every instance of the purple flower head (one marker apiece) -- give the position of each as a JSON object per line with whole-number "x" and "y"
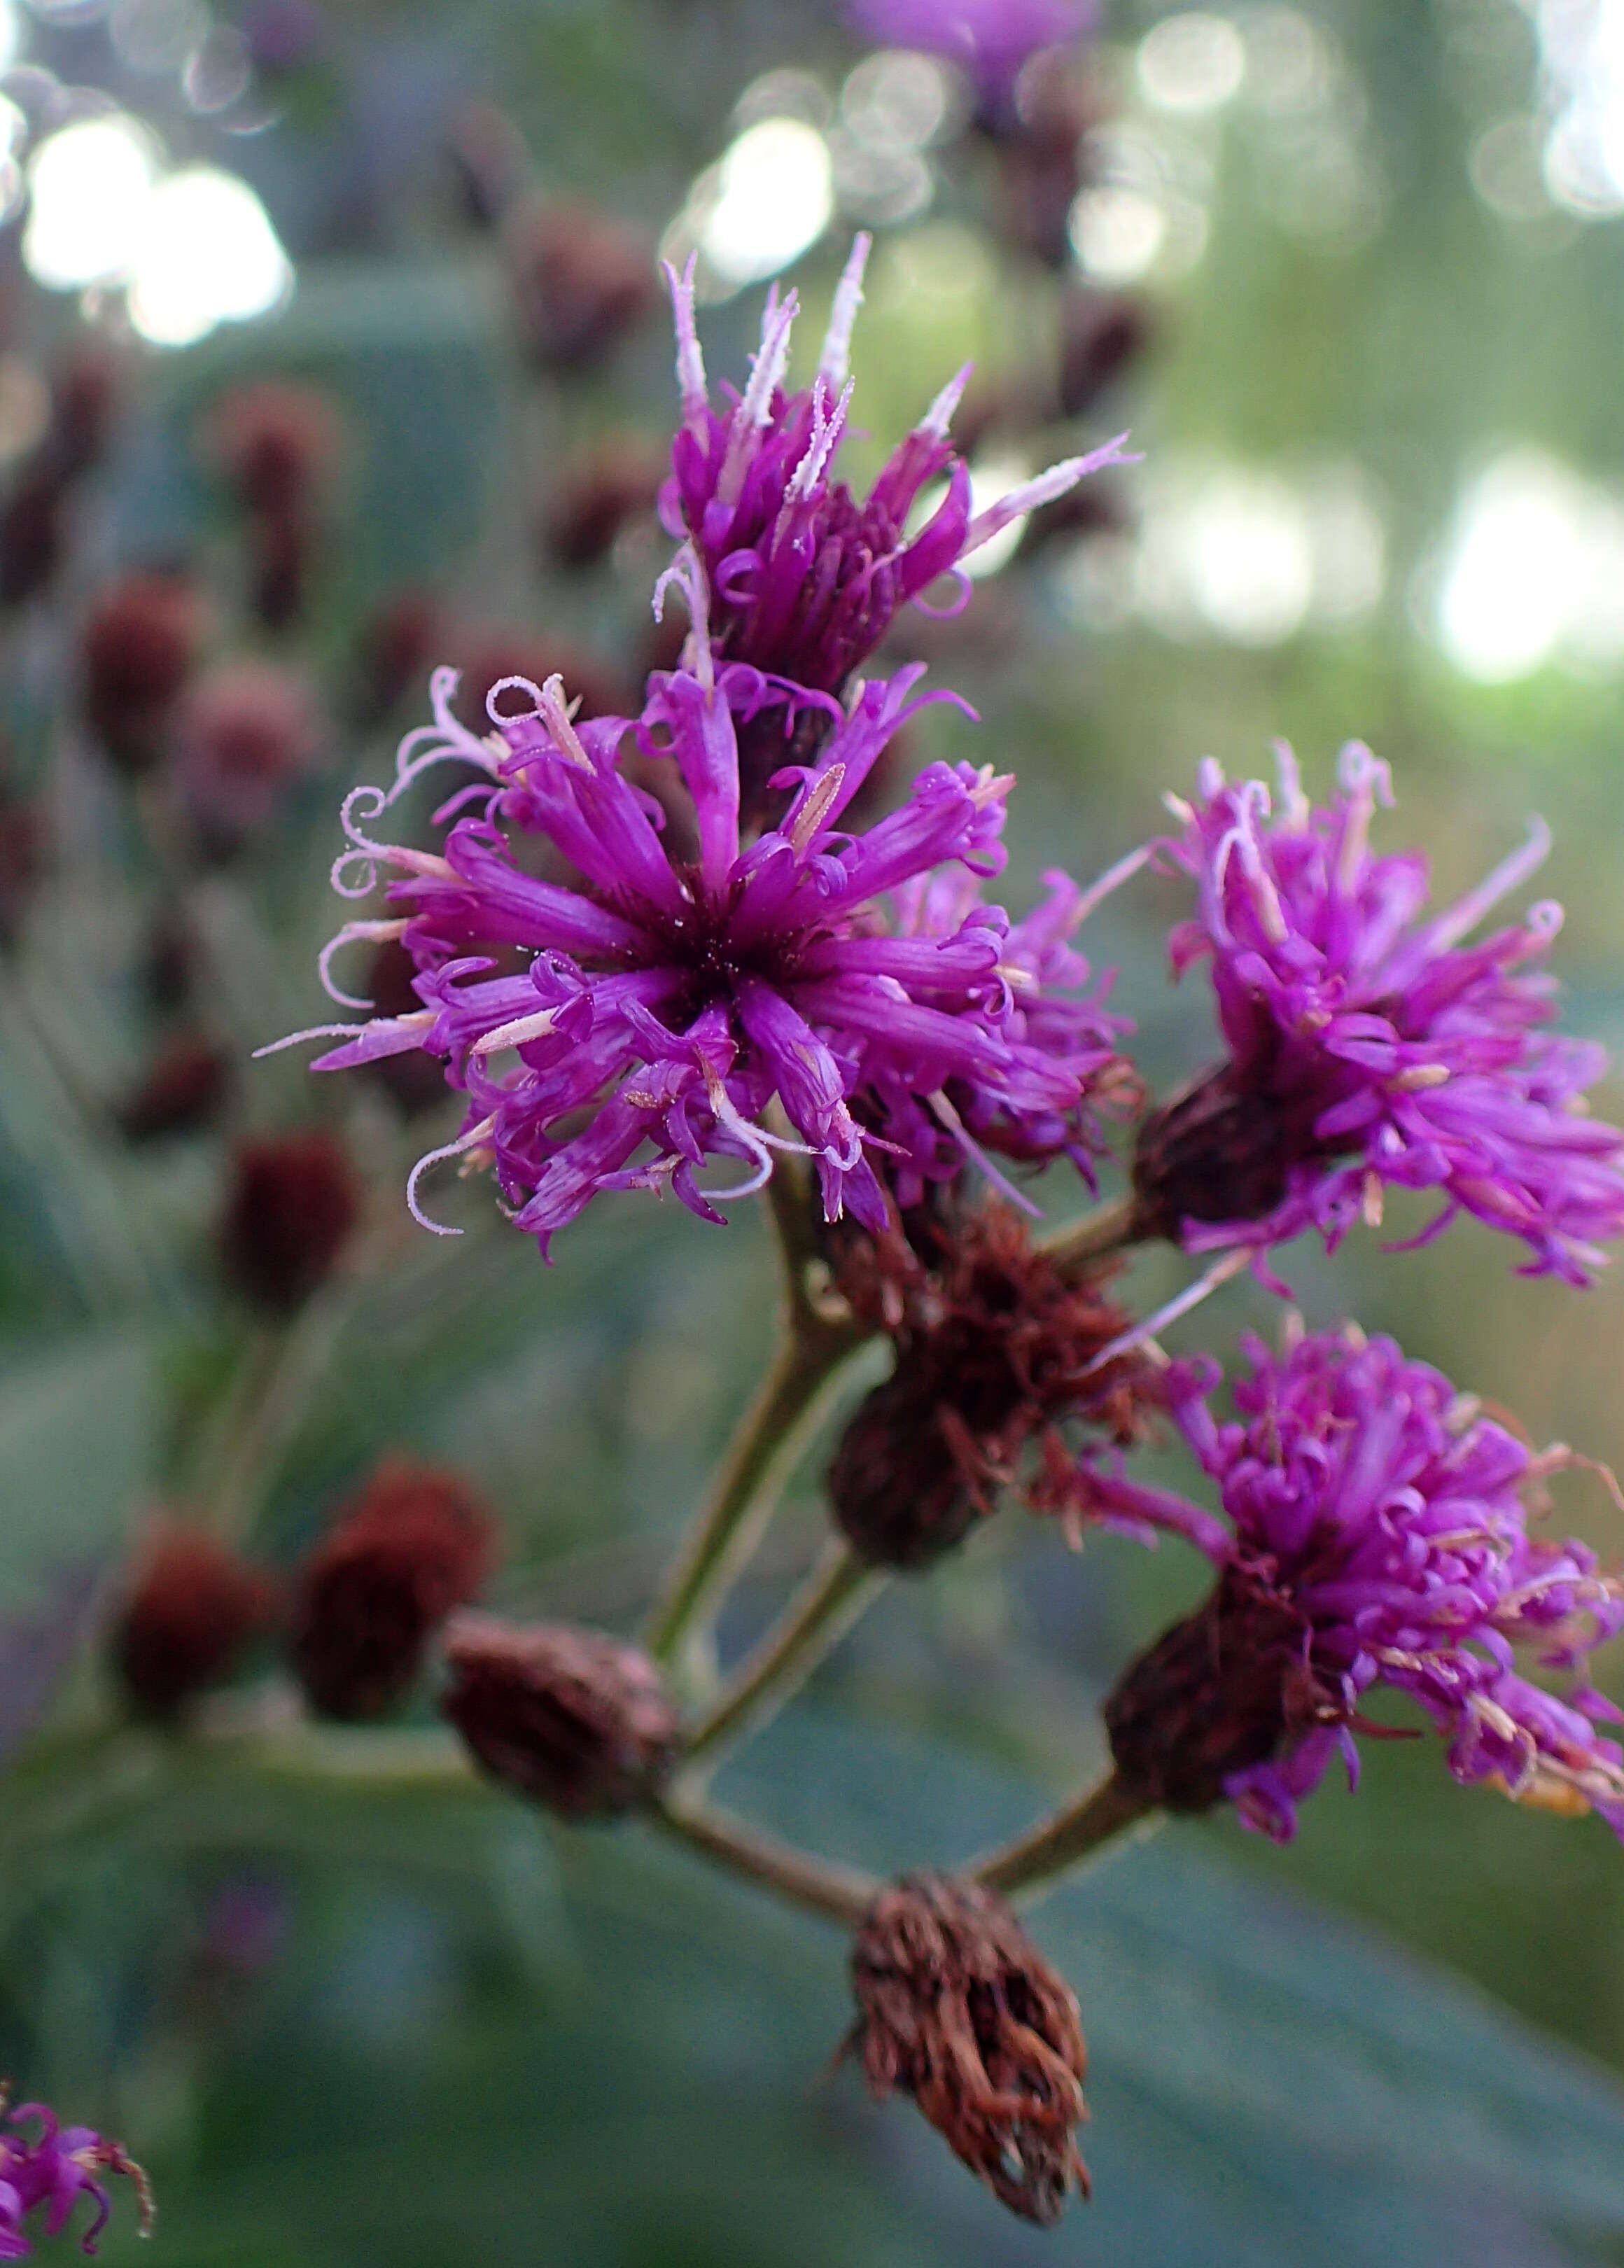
{"x": 1374, "y": 1533}
{"x": 989, "y": 39}
{"x": 52, "y": 2171}
{"x": 800, "y": 578}
{"x": 664, "y": 1002}
{"x": 1369, "y": 1044}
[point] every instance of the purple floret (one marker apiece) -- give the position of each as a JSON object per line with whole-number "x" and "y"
{"x": 52, "y": 2172}
{"x": 1374, "y": 1533}
{"x": 989, "y": 39}
{"x": 859, "y": 977}
{"x": 1370, "y": 1045}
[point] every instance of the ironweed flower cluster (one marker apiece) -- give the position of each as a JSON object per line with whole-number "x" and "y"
{"x": 652, "y": 949}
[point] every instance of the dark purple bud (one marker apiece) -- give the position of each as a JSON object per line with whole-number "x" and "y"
{"x": 580, "y": 281}
{"x": 136, "y": 650}
{"x": 185, "y": 1088}
{"x": 274, "y": 442}
{"x": 294, "y": 1202}
{"x": 1099, "y": 336}
{"x": 958, "y": 2009}
{"x": 415, "y": 1543}
{"x": 604, "y": 493}
{"x": 578, "y": 1721}
{"x": 248, "y": 732}
{"x": 193, "y": 1609}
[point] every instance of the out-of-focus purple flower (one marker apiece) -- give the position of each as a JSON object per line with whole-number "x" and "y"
{"x": 52, "y": 2171}
{"x": 1370, "y": 1046}
{"x": 1374, "y": 1534}
{"x": 990, "y": 40}
{"x": 801, "y": 579}
{"x": 669, "y": 1001}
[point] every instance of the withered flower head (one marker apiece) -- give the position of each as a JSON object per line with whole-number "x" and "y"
{"x": 579, "y": 1720}
{"x": 995, "y": 1350}
{"x": 580, "y": 281}
{"x": 193, "y": 1611}
{"x": 415, "y": 1543}
{"x": 136, "y": 650}
{"x": 183, "y": 1088}
{"x": 959, "y": 2009}
{"x": 294, "y": 1201}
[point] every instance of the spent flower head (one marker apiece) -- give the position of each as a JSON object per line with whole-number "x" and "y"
{"x": 1370, "y": 1045}
{"x": 1374, "y": 1533}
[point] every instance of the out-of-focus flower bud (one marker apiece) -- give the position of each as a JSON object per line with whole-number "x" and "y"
{"x": 958, "y": 2009}
{"x": 33, "y": 534}
{"x": 22, "y": 859}
{"x": 399, "y": 644}
{"x": 193, "y": 1611}
{"x": 248, "y": 732}
{"x": 137, "y": 647}
{"x": 615, "y": 485}
{"x": 85, "y": 389}
{"x": 487, "y": 655}
{"x": 185, "y": 1088}
{"x": 275, "y": 443}
{"x": 415, "y": 1543}
{"x": 577, "y": 1720}
{"x": 488, "y": 161}
{"x": 294, "y": 1201}
{"x": 1040, "y": 154}
{"x": 1101, "y": 336}
{"x": 580, "y": 279}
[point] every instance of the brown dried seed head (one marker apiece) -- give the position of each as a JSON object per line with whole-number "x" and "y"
{"x": 579, "y": 1720}
{"x": 958, "y": 2009}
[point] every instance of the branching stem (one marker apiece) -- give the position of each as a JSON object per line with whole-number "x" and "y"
{"x": 838, "y": 1590}
{"x": 1056, "y": 1845}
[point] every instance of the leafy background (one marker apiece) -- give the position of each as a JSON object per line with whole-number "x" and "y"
{"x": 345, "y": 2027}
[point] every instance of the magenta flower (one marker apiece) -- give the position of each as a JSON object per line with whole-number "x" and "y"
{"x": 52, "y": 2172}
{"x": 1368, "y": 1045}
{"x": 857, "y": 978}
{"x": 801, "y": 579}
{"x": 1373, "y": 1534}
{"x": 988, "y": 38}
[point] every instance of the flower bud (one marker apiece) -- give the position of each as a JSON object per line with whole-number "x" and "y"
{"x": 275, "y": 444}
{"x": 32, "y": 534}
{"x": 294, "y": 1201}
{"x": 602, "y": 494}
{"x": 994, "y": 1349}
{"x": 22, "y": 848}
{"x": 580, "y": 280}
{"x": 1223, "y": 1150}
{"x": 959, "y": 2008}
{"x": 397, "y": 647}
{"x": 136, "y": 650}
{"x": 185, "y": 1088}
{"x": 248, "y": 731}
{"x": 1099, "y": 336}
{"x": 193, "y": 1611}
{"x": 414, "y": 1544}
{"x": 1216, "y": 1694}
{"x": 577, "y": 1720}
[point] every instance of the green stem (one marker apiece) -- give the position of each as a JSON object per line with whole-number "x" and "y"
{"x": 770, "y": 1437}
{"x": 836, "y": 1591}
{"x": 1105, "y": 1230}
{"x": 840, "y": 1894}
{"x": 1057, "y": 1844}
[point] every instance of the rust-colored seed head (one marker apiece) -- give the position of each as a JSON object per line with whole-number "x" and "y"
{"x": 294, "y": 1201}
{"x": 994, "y": 1349}
{"x": 1216, "y": 1694}
{"x": 415, "y": 1543}
{"x": 577, "y": 1720}
{"x": 958, "y": 2009}
{"x": 193, "y": 1610}
{"x": 580, "y": 280}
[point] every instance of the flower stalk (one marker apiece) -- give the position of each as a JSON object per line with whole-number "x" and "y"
{"x": 837, "y": 1592}
{"x": 1060, "y": 1843}
{"x": 840, "y": 1894}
